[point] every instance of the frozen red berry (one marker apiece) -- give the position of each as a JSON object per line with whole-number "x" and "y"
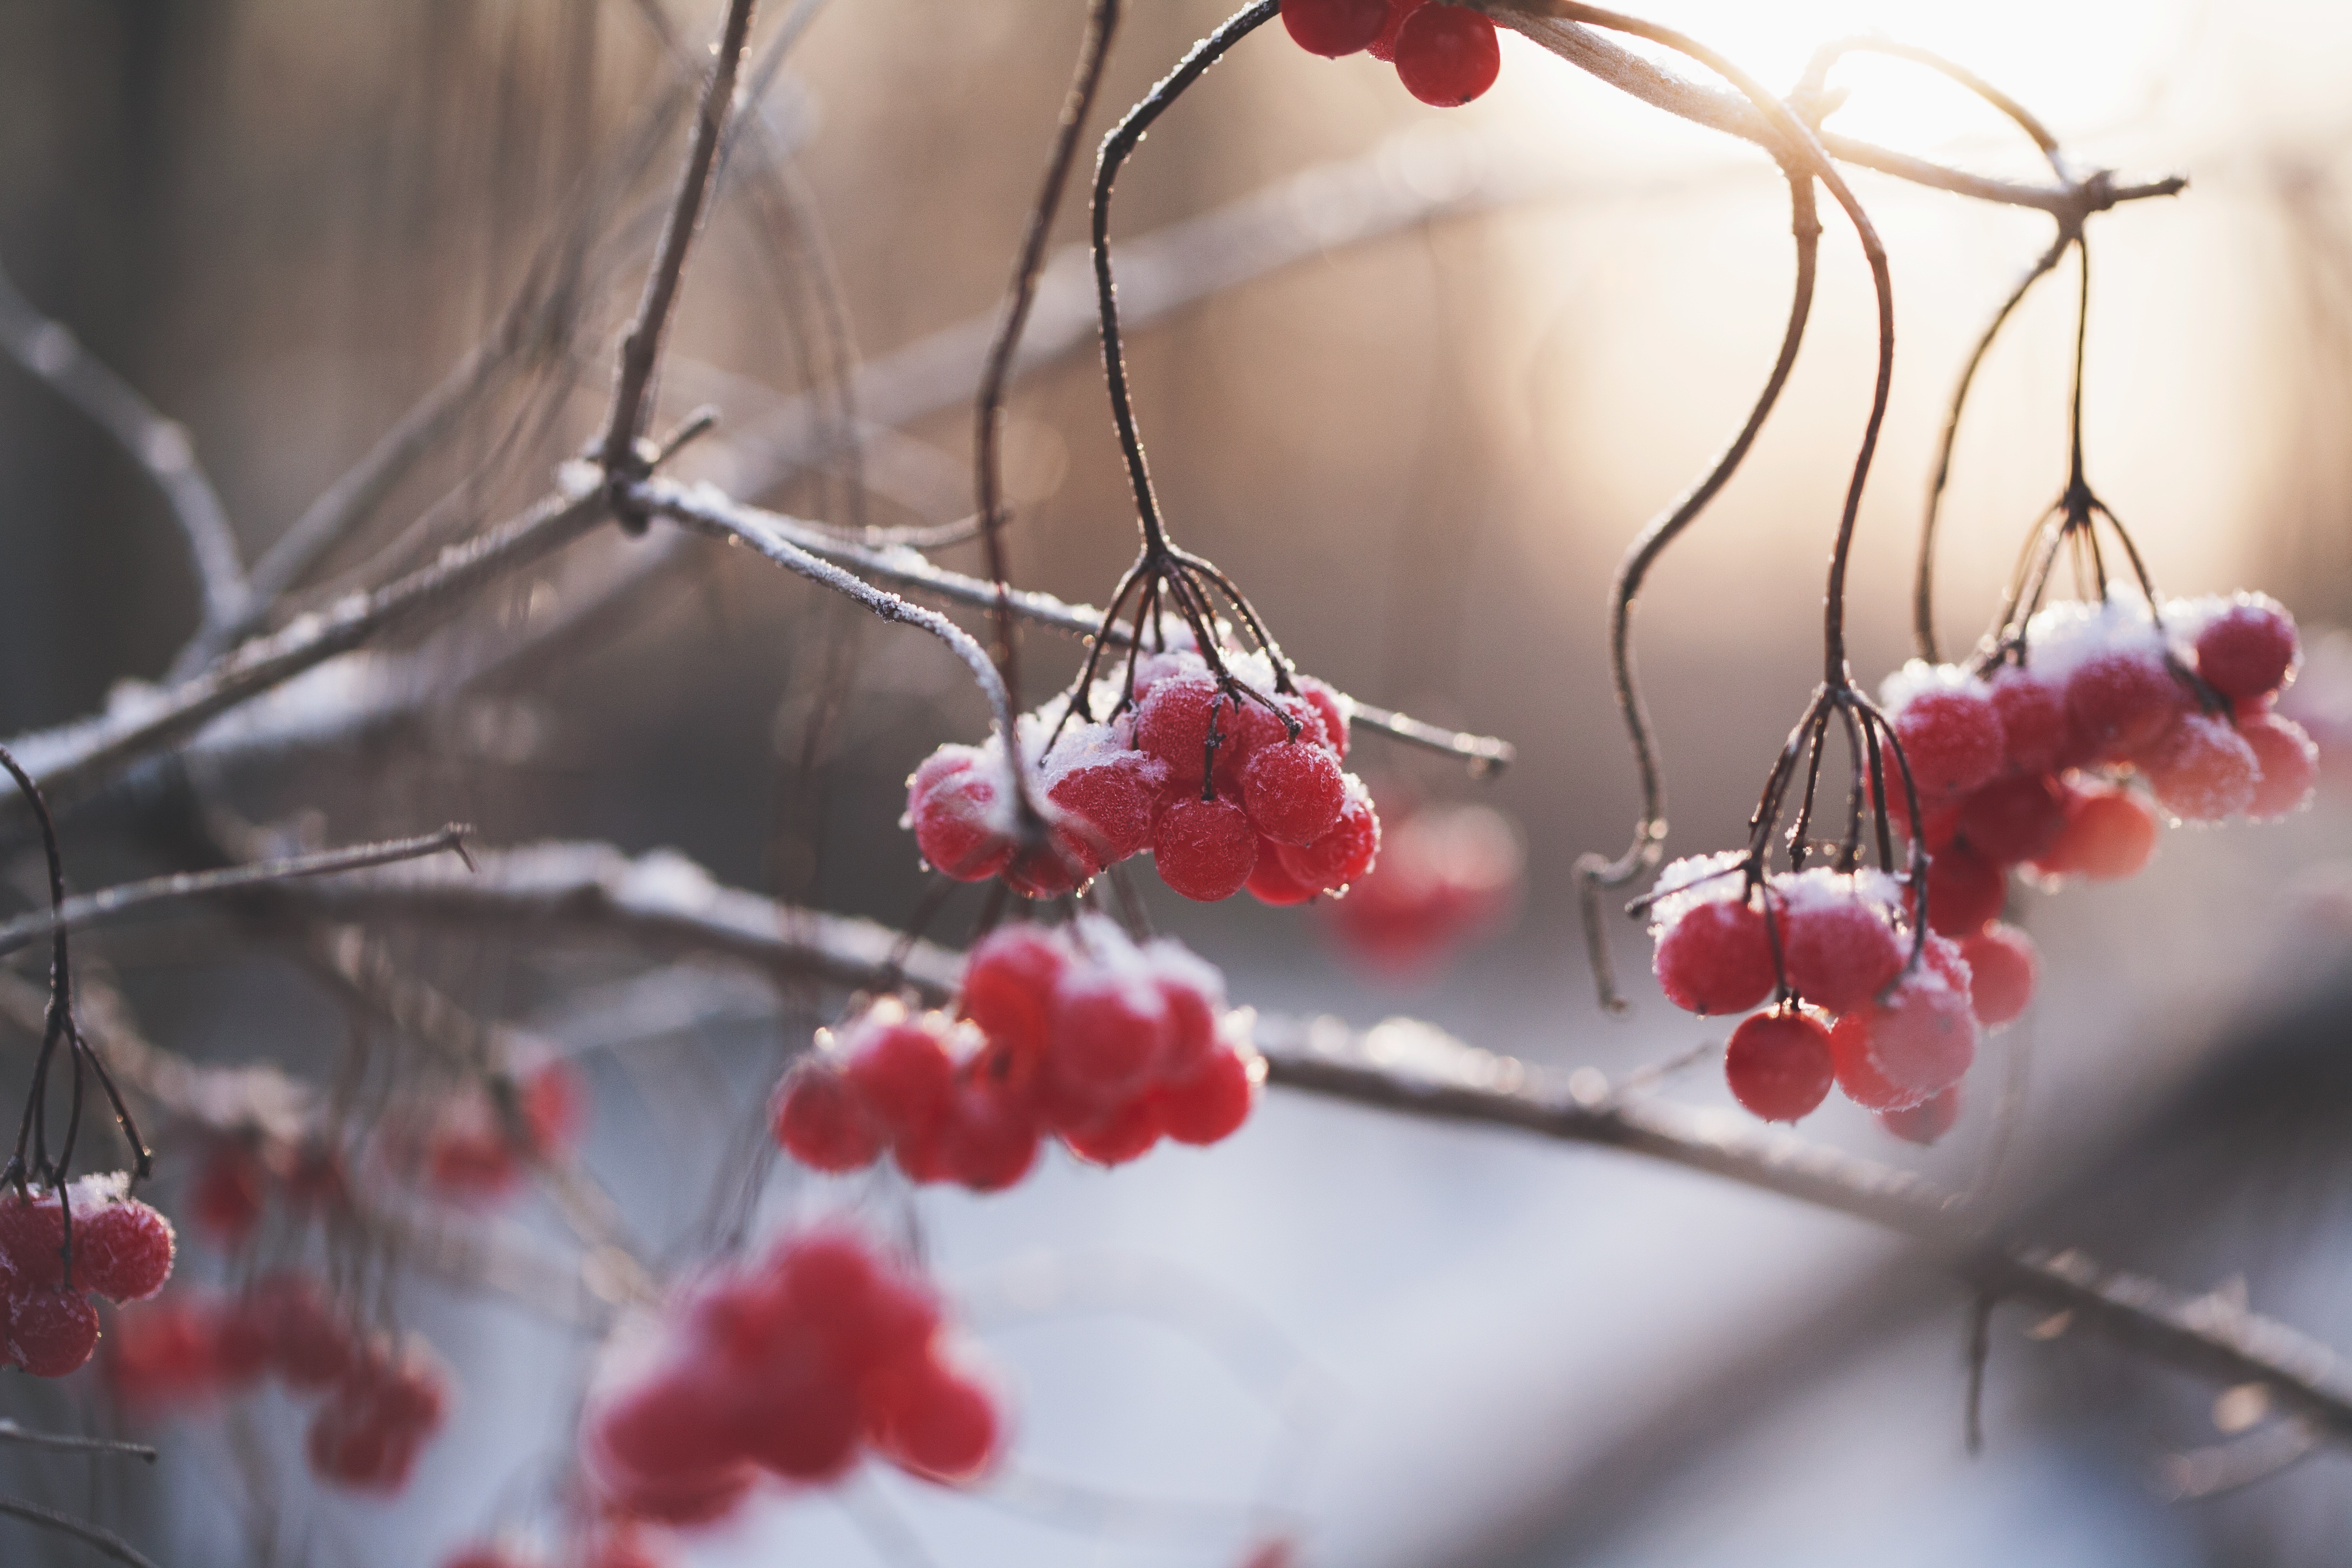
{"x": 1293, "y": 791}
{"x": 2121, "y": 700}
{"x": 1858, "y": 1073}
{"x": 1925, "y": 1123}
{"x": 1204, "y": 849}
{"x": 2014, "y": 819}
{"x": 1333, "y": 27}
{"x": 1924, "y": 1036}
{"x": 1447, "y": 56}
{"x": 2202, "y": 770}
{"x": 2249, "y": 649}
{"x": 123, "y": 1251}
{"x": 1108, "y": 805}
{"x": 1173, "y": 725}
{"x": 1129, "y": 1132}
{"x": 2034, "y": 722}
{"x": 2003, "y": 969}
{"x": 937, "y": 1421}
{"x": 900, "y": 1073}
{"x": 1110, "y": 1033}
{"x": 1212, "y": 1103}
{"x": 1271, "y": 882}
{"x": 1329, "y": 705}
{"x": 51, "y": 1331}
{"x": 1965, "y": 891}
{"x": 1717, "y": 958}
{"x": 1008, "y": 990}
{"x": 2107, "y": 836}
{"x": 958, "y": 823}
{"x": 1839, "y": 953}
{"x": 990, "y": 1138}
{"x": 820, "y": 1121}
{"x": 1779, "y": 1065}
{"x": 1049, "y": 868}
{"x": 1384, "y": 47}
{"x": 1343, "y": 854}
{"x": 2289, "y": 764}
{"x": 1952, "y": 738}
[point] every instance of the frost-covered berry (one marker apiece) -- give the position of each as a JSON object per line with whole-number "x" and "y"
{"x": 1952, "y": 738}
{"x": 1925, "y": 1123}
{"x": 1272, "y": 882}
{"x": 1204, "y": 849}
{"x": 2034, "y": 722}
{"x": 2249, "y": 649}
{"x": 957, "y": 816}
{"x": 936, "y": 1420}
{"x": 1333, "y": 27}
{"x": 1173, "y": 725}
{"x": 1839, "y": 951}
{"x": 1924, "y": 1036}
{"x": 1008, "y": 991}
{"x": 990, "y": 1138}
{"x": 2107, "y": 836}
{"x": 1108, "y": 805}
{"x": 2003, "y": 969}
{"x": 1447, "y": 56}
{"x": 51, "y": 1331}
{"x": 2121, "y": 700}
{"x": 1110, "y": 1033}
{"x": 818, "y": 1120}
{"x": 123, "y": 1251}
{"x": 1779, "y": 1065}
{"x": 1717, "y": 958}
{"x": 2014, "y": 819}
{"x": 2202, "y": 770}
{"x": 1858, "y": 1073}
{"x": 2289, "y": 764}
{"x": 900, "y": 1073}
{"x": 1293, "y": 791}
{"x": 1343, "y": 854}
{"x": 1329, "y": 705}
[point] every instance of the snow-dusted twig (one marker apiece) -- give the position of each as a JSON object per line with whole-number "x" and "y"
{"x": 89, "y": 909}
{"x": 161, "y": 447}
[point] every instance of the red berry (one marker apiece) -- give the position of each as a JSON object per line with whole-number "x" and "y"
{"x": 51, "y": 1331}
{"x": 1779, "y": 1065}
{"x": 1447, "y": 56}
{"x": 31, "y": 1241}
{"x": 1858, "y": 1072}
{"x": 819, "y": 1122}
{"x": 1049, "y": 870}
{"x": 1952, "y": 739}
{"x": 2034, "y": 722}
{"x": 1384, "y": 47}
{"x": 1008, "y": 991}
{"x": 1343, "y": 854}
{"x": 810, "y": 1414}
{"x": 2013, "y": 819}
{"x": 1109, "y": 805}
{"x": 1172, "y": 724}
{"x": 2121, "y": 700}
{"x": 1925, "y": 1123}
{"x": 1209, "y": 1105}
{"x": 2202, "y": 770}
{"x": 937, "y": 1421}
{"x": 1839, "y": 953}
{"x": 227, "y": 1201}
{"x": 1328, "y": 704}
{"x": 991, "y": 1140}
{"x": 2248, "y": 650}
{"x": 2109, "y": 835}
{"x": 1718, "y": 958}
{"x": 1293, "y": 791}
{"x": 1333, "y": 27}
{"x": 2289, "y": 762}
{"x": 1127, "y": 1133}
{"x": 956, "y": 817}
{"x": 123, "y": 1251}
{"x": 163, "y": 1355}
{"x": 1924, "y": 1036}
{"x": 2002, "y": 968}
{"x": 1204, "y": 849}
{"x": 1965, "y": 891}
{"x": 1271, "y": 882}
{"x": 900, "y": 1072}
{"x": 1110, "y": 1034}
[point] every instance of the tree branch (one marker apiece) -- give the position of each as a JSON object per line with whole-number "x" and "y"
{"x": 95, "y": 1536}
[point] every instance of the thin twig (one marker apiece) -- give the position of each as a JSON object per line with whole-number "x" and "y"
{"x": 89, "y": 909}
{"x": 94, "y": 1536}
{"x": 24, "y": 1436}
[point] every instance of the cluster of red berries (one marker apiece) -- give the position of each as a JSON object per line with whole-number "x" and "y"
{"x": 623, "y": 1545}
{"x": 2044, "y": 764}
{"x": 121, "y": 1250}
{"x": 1226, "y": 789}
{"x": 1855, "y": 1010}
{"x": 790, "y": 1365}
{"x": 1445, "y": 875}
{"x": 384, "y": 1398}
{"x": 1076, "y": 1032}
{"x": 1445, "y": 55}
{"x": 467, "y": 1154}
{"x": 238, "y": 1174}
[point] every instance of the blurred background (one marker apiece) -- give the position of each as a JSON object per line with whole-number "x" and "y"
{"x": 1415, "y": 377}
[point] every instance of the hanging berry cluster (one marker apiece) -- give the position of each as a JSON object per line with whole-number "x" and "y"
{"x": 1075, "y": 1032}
{"x": 122, "y": 1249}
{"x": 1445, "y": 55}
{"x": 1227, "y": 787}
{"x": 2061, "y": 758}
{"x": 473, "y": 1152}
{"x": 1866, "y": 1001}
{"x": 789, "y": 1366}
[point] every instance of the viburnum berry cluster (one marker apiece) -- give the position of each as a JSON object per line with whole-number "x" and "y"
{"x": 474, "y": 1151}
{"x": 1445, "y": 55}
{"x": 789, "y": 1366}
{"x": 238, "y": 1174}
{"x": 385, "y": 1398}
{"x": 2061, "y": 759}
{"x": 1225, "y": 786}
{"x": 121, "y": 1249}
{"x": 1075, "y": 1032}
{"x": 1865, "y": 1001}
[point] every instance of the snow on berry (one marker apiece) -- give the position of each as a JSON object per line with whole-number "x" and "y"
{"x": 790, "y": 1364}
{"x": 1838, "y": 942}
{"x": 1923, "y": 1036}
{"x": 120, "y": 1248}
{"x": 1714, "y": 950}
{"x": 1078, "y": 1032}
{"x": 2289, "y": 764}
{"x": 2202, "y": 770}
{"x": 1949, "y": 727}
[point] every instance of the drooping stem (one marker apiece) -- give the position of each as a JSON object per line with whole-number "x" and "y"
{"x": 1818, "y": 70}
{"x": 988, "y": 477}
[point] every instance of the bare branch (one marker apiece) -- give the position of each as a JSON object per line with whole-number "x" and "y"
{"x": 97, "y": 1537}
{"x": 89, "y": 909}
{"x": 161, "y": 447}
{"x": 24, "y": 1436}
